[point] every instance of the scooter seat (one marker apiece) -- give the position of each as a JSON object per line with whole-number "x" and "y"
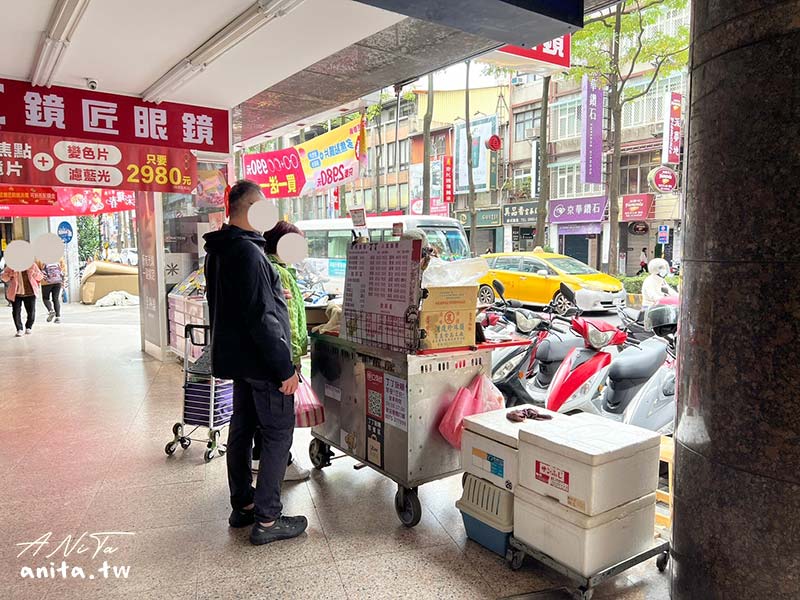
{"x": 553, "y": 350}
{"x": 633, "y": 314}
{"x": 638, "y": 362}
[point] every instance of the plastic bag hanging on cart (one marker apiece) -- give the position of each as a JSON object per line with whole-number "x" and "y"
{"x": 479, "y": 397}
{"x": 308, "y": 411}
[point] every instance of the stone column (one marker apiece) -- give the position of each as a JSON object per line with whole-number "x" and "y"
{"x": 736, "y": 522}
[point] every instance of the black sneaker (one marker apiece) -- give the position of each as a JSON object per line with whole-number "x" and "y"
{"x": 242, "y": 517}
{"x": 284, "y": 528}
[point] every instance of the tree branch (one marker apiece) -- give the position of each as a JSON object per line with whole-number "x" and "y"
{"x": 602, "y": 18}
{"x": 640, "y": 43}
{"x": 653, "y": 79}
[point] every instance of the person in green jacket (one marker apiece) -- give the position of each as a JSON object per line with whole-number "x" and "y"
{"x": 297, "y": 324}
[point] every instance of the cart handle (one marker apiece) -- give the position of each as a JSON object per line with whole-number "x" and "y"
{"x": 189, "y": 332}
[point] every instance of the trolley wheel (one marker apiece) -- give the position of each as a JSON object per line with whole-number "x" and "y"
{"x": 407, "y": 505}
{"x": 221, "y": 451}
{"x": 177, "y": 429}
{"x": 662, "y": 561}
{"x": 185, "y": 442}
{"x": 170, "y": 448}
{"x": 320, "y": 454}
{"x": 515, "y": 559}
{"x": 208, "y": 455}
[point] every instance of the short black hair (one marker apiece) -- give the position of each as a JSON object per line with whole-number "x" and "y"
{"x": 274, "y": 235}
{"x": 240, "y": 190}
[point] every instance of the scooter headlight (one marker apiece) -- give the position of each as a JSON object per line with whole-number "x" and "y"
{"x": 599, "y": 339}
{"x": 505, "y": 369}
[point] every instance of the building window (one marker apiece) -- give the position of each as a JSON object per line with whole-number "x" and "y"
{"x": 522, "y": 180}
{"x": 393, "y": 201}
{"x": 634, "y": 170}
{"x": 438, "y": 145}
{"x": 404, "y": 195}
{"x": 404, "y": 146}
{"x": 566, "y": 115}
{"x": 649, "y": 109}
{"x": 369, "y": 200}
{"x": 390, "y": 155}
{"x": 530, "y": 119}
{"x": 565, "y": 182}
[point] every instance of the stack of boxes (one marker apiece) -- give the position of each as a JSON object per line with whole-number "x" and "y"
{"x": 583, "y": 486}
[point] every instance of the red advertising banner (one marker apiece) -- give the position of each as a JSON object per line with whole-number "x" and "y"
{"x": 636, "y": 207}
{"x": 69, "y": 202}
{"x": 83, "y": 114}
{"x": 448, "y": 193}
{"x": 43, "y": 160}
{"x": 556, "y": 52}
{"x": 27, "y": 196}
{"x": 673, "y": 129}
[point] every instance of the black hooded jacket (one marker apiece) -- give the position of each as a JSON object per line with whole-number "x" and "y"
{"x": 250, "y": 334}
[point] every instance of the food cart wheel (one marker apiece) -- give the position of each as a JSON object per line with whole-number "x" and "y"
{"x": 407, "y": 505}
{"x": 514, "y": 559}
{"x": 170, "y": 448}
{"x": 662, "y": 561}
{"x": 320, "y": 454}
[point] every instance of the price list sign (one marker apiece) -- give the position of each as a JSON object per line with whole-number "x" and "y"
{"x": 382, "y": 294}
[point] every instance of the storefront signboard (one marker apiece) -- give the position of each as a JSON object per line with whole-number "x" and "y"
{"x": 663, "y": 234}
{"x": 673, "y": 129}
{"x": 639, "y": 228}
{"x": 663, "y": 179}
{"x": 592, "y": 131}
{"x": 448, "y": 194}
{"x": 578, "y": 210}
{"x": 64, "y": 231}
{"x": 520, "y": 213}
{"x": 488, "y": 217}
{"x": 26, "y": 196}
{"x": 484, "y": 162}
{"x": 580, "y": 229}
{"x": 43, "y": 160}
{"x": 320, "y": 164}
{"x": 636, "y": 207}
{"x": 556, "y": 52}
{"x": 66, "y": 112}
{"x": 72, "y": 202}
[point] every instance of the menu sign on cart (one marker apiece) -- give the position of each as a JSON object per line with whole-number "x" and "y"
{"x": 381, "y": 295}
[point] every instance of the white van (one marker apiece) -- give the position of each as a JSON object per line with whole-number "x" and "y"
{"x": 328, "y": 240}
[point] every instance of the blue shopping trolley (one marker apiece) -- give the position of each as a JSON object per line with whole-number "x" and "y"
{"x": 207, "y": 400}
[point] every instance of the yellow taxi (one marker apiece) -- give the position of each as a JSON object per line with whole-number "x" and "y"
{"x": 535, "y": 278}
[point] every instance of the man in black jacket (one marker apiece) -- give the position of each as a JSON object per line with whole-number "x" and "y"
{"x": 251, "y": 344}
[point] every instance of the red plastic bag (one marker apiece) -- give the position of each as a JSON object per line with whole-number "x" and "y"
{"x": 308, "y": 412}
{"x": 480, "y": 396}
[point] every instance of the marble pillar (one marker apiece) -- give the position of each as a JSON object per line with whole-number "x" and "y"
{"x": 736, "y": 520}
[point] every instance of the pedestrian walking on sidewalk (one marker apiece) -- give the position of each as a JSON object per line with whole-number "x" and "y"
{"x": 251, "y": 344}
{"x": 54, "y": 280}
{"x": 22, "y": 287}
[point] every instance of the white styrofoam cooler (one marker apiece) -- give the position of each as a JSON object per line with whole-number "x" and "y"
{"x": 489, "y": 445}
{"x": 585, "y": 544}
{"x": 587, "y": 462}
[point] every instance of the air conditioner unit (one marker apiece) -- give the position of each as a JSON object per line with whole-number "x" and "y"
{"x": 517, "y": 81}
{"x": 531, "y": 133}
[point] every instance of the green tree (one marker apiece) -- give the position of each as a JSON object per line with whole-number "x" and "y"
{"x": 614, "y": 46}
{"x": 88, "y": 237}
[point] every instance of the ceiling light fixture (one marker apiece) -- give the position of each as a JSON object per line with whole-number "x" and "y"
{"x": 243, "y": 26}
{"x": 63, "y": 22}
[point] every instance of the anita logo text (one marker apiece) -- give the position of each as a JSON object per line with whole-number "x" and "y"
{"x": 50, "y": 556}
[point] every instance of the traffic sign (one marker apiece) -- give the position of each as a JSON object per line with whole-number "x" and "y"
{"x": 663, "y": 234}
{"x": 65, "y": 231}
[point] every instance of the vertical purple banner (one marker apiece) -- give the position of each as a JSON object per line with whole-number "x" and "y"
{"x": 592, "y": 132}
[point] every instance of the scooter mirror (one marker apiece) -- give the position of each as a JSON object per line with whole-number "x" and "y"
{"x": 499, "y": 287}
{"x": 567, "y": 292}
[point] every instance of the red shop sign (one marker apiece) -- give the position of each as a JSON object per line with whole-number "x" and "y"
{"x": 71, "y": 202}
{"x": 673, "y": 129}
{"x": 636, "y": 207}
{"x": 83, "y": 114}
{"x": 663, "y": 179}
{"x": 556, "y": 52}
{"x": 43, "y": 160}
{"x": 447, "y": 180}
{"x": 26, "y": 196}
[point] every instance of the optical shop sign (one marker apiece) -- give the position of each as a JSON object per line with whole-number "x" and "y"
{"x": 327, "y": 161}
{"x": 43, "y": 160}
{"x": 110, "y": 118}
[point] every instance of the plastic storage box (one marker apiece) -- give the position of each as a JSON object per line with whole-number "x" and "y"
{"x": 588, "y": 463}
{"x": 488, "y": 513}
{"x": 585, "y": 544}
{"x": 489, "y": 445}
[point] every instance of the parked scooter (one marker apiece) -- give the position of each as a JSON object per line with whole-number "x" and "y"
{"x": 653, "y": 407}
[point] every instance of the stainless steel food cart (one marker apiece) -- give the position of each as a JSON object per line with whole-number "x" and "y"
{"x": 383, "y": 408}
